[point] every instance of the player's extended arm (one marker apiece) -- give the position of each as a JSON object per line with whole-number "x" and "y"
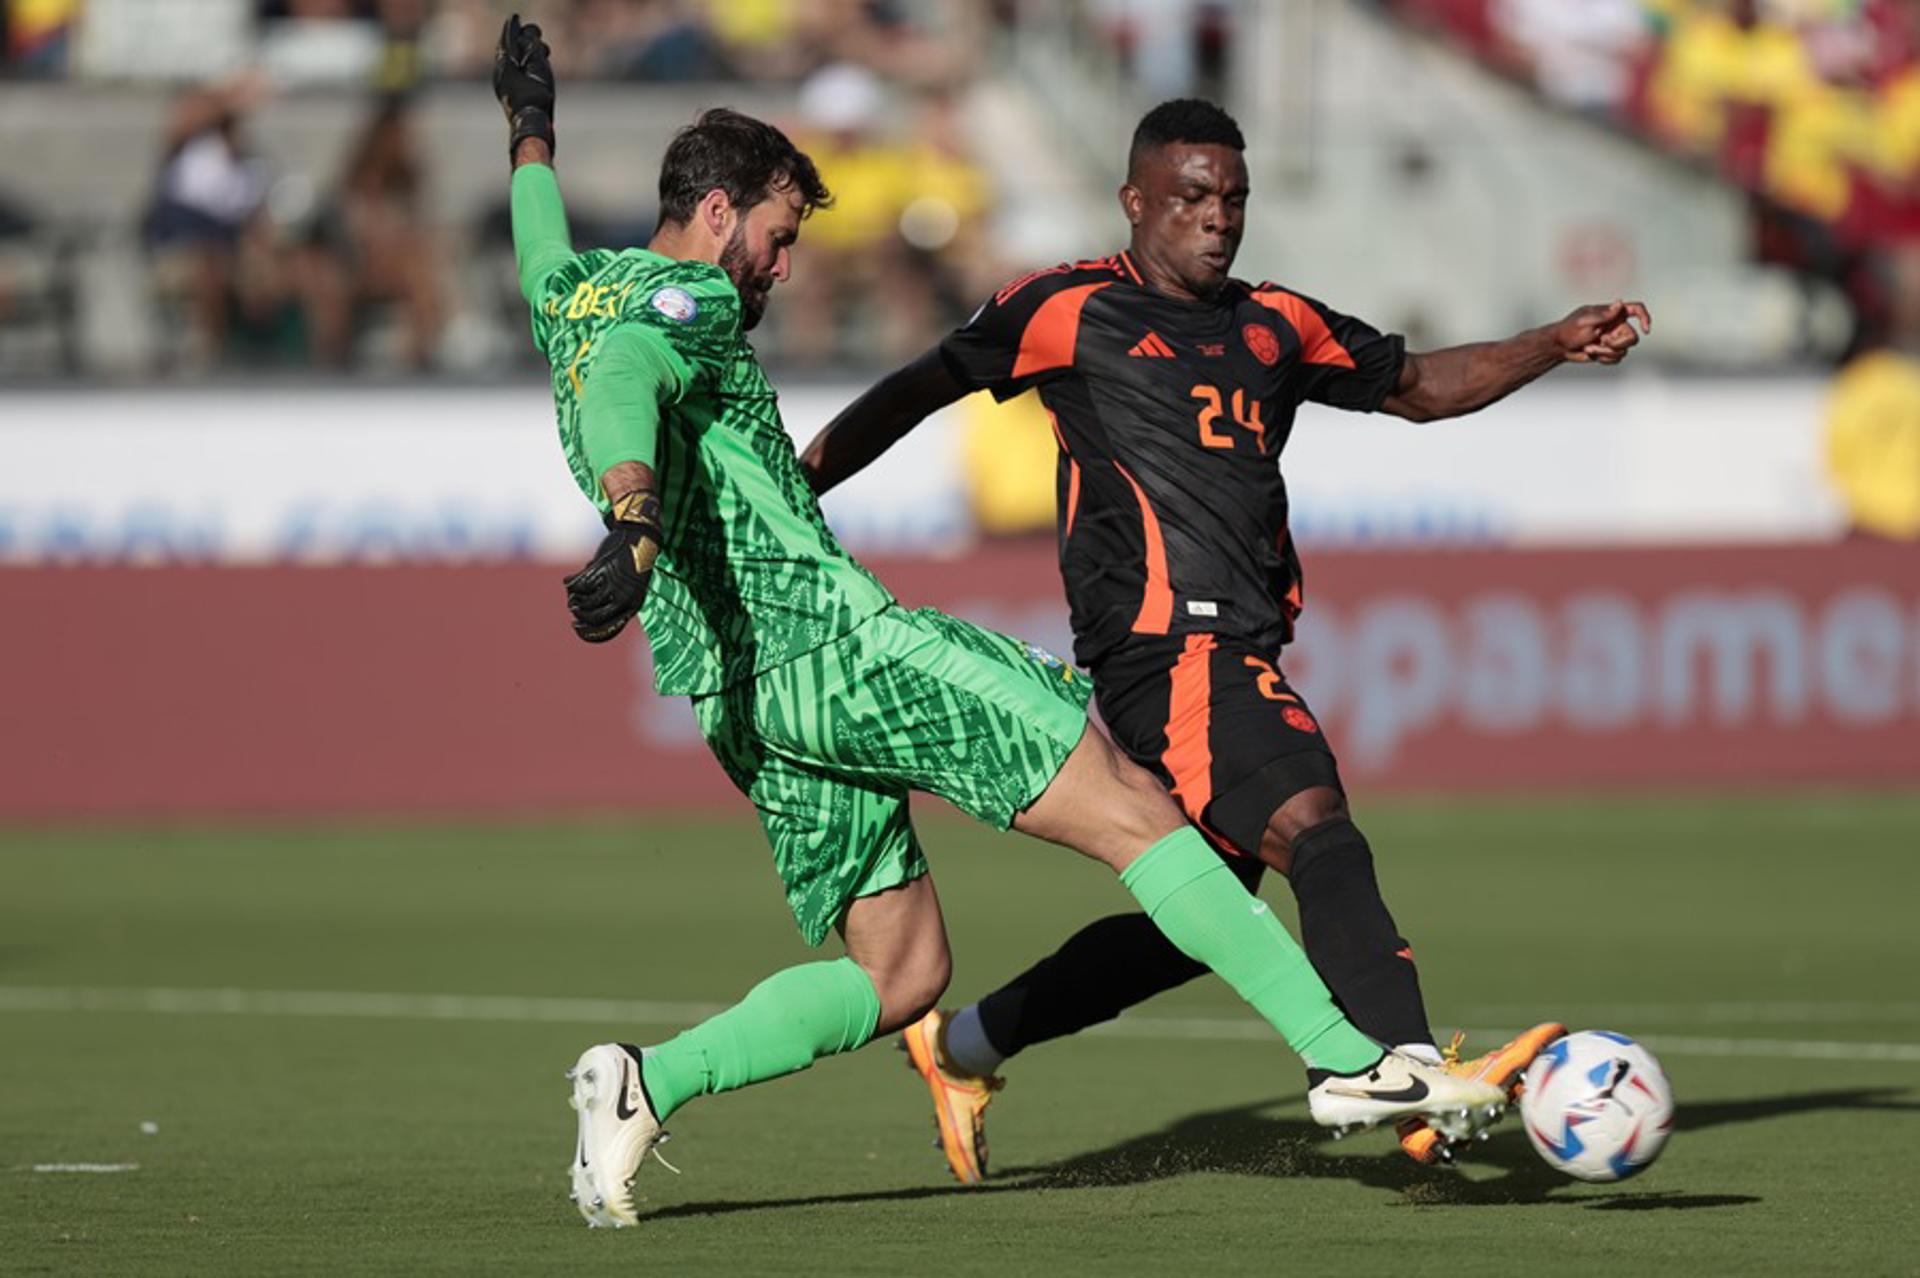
{"x": 541, "y": 240}
{"x": 1463, "y": 379}
{"x": 523, "y": 81}
{"x": 876, "y": 421}
{"x": 634, "y": 374}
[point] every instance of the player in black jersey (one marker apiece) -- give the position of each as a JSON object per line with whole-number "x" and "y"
{"x": 1172, "y": 388}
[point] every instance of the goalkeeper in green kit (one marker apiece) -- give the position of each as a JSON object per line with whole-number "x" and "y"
{"x": 823, "y": 699}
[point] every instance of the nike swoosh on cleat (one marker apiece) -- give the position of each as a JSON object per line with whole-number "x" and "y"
{"x": 621, "y": 1109}
{"x": 1414, "y": 1091}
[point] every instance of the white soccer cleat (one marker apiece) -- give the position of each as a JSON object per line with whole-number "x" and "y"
{"x": 617, "y": 1130}
{"x": 1400, "y": 1085}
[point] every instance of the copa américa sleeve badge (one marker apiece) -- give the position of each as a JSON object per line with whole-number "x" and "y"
{"x": 675, "y": 303}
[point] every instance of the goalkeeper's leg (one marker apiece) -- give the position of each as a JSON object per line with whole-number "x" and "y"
{"x": 896, "y": 967}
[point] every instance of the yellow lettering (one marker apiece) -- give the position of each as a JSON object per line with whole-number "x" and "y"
{"x": 573, "y": 369}
{"x": 581, "y": 302}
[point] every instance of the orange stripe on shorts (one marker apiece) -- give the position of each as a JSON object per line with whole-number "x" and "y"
{"x": 1189, "y": 756}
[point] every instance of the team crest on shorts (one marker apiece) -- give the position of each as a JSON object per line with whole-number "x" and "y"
{"x": 675, "y": 303}
{"x": 1263, "y": 343}
{"x": 1299, "y": 720}
{"x": 1047, "y": 659}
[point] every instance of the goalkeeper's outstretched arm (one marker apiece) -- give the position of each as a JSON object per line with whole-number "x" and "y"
{"x": 523, "y": 82}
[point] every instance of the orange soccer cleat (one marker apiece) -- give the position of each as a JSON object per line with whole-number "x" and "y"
{"x": 1502, "y": 1067}
{"x": 959, "y": 1100}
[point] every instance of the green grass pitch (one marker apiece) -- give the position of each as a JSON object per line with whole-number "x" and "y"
{"x": 1765, "y": 947}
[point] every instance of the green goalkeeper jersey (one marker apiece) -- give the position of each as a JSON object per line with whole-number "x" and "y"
{"x": 650, "y": 364}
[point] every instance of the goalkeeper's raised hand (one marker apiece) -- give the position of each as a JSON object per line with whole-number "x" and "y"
{"x": 523, "y": 81}
{"x": 604, "y": 596}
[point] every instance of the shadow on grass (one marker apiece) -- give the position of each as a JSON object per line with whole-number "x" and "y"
{"x": 1242, "y": 1140}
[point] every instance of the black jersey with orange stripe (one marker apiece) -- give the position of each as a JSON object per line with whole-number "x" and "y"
{"x": 1171, "y": 416}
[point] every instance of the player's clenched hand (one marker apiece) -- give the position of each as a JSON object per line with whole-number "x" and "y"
{"x": 604, "y": 595}
{"x": 523, "y": 81}
{"x": 1602, "y": 334}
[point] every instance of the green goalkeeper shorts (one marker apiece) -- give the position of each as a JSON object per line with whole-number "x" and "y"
{"x": 828, "y": 745}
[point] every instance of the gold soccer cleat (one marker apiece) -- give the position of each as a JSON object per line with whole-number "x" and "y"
{"x": 1503, "y": 1067}
{"x": 959, "y": 1100}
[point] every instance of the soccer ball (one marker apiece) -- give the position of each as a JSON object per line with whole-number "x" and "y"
{"x": 1597, "y": 1106}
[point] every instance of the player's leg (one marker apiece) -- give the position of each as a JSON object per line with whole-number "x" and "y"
{"x": 1172, "y": 707}
{"x": 1106, "y": 807}
{"x": 1002, "y": 732}
{"x": 1102, "y": 805}
{"x": 1350, "y": 935}
{"x": 1108, "y": 966}
{"x": 849, "y": 859}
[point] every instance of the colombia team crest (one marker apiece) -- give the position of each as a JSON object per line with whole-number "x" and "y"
{"x": 1262, "y": 341}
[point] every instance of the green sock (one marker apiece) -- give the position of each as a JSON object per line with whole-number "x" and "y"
{"x": 784, "y": 1024}
{"x": 1192, "y": 896}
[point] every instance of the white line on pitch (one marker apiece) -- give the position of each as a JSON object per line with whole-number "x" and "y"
{"x": 1222, "y": 1029}
{"x": 403, "y": 1007}
{"x": 1711, "y": 1013}
{"x": 510, "y": 1008}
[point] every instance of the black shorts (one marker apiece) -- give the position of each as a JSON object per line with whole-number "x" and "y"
{"x": 1215, "y": 720}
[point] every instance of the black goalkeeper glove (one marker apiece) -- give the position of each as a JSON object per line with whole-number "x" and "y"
{"x": 523, "y": 81}
{"x": 604, "y": 595}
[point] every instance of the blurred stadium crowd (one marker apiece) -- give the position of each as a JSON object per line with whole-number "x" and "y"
{"x": 253, "y": 266}
{"x": 1810, "y": 106}
{"x": 1813, "y": 106}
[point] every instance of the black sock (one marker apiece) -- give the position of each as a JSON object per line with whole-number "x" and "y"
{"x": 1350, "y": 938}
{"x": 1103, "y": 969}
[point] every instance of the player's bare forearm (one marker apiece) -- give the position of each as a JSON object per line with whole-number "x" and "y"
{"x": 1465, "y": 379}
{"x": 878, "y": 419}
{"x": 626, "y": 477}
{"x": 532, "y": 151}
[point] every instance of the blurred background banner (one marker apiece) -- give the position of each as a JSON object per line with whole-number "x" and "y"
{"x": 282, "y": 513}
{"x": 446, "y": 689}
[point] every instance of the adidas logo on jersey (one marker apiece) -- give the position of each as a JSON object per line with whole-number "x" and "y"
{"x": 1151, "y": 347}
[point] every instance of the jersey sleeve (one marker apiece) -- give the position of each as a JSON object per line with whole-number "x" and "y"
{"x": 632, "y": 377}
{"x": 1023, "y": 336}
{"x": 541, "y": 240}
{"x": 1344, "y": 362}
{"x": 695, "y": 311}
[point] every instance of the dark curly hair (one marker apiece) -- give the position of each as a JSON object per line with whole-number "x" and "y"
{"x": 1184, "y": 120}
{"x": 749, "y": 159}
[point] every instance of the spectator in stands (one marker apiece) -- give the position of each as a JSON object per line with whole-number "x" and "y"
{"x": 945, "y": 218}
{"x": 903, "y": 251}
{"x": 1580, "y": 54}
{"x": 205, "y": 210}
{"x": 853, "y": 291}
{"x": 1717, "y": 59}
{"x": 371, "y": 246}
{"x": 1873, "y": 443}
{"x": 38, "y": 34}
{"x": 16, "y": 226}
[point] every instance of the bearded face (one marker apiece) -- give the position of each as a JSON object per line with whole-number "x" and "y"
{"x": 752, "y": 277}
